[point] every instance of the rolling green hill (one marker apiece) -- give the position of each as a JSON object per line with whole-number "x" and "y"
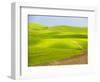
{"x": 54, "y": 43}
{"x": 37, "y": 26}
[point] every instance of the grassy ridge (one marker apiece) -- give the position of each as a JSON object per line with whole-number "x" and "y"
{"x": 49, "y": 44}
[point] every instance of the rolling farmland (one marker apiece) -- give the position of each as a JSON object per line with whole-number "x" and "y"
{"x": 48, "y": 44}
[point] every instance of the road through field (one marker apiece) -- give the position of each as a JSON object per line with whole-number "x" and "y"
{"x": 82, "y": 59}
{"x": 56, "y": 45}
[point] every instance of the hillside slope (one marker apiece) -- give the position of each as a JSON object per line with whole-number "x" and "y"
{"x": 47, "y": 44}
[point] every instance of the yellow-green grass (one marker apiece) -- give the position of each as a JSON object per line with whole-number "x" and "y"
{"x": 45, "y": 56}
{"x": 48, "y": 44}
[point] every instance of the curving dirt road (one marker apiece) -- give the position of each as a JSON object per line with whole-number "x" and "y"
{"x": 82, "y": 59}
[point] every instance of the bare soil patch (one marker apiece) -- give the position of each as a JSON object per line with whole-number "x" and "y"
{"x": 81, "y": 59}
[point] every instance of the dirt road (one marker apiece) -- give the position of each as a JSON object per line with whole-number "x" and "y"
{"x": 82, "y": 59}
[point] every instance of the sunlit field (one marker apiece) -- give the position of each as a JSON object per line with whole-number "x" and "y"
{"x": 48, "y": 44}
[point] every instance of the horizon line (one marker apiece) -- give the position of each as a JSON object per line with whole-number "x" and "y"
{"x": 58, "y": 25}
